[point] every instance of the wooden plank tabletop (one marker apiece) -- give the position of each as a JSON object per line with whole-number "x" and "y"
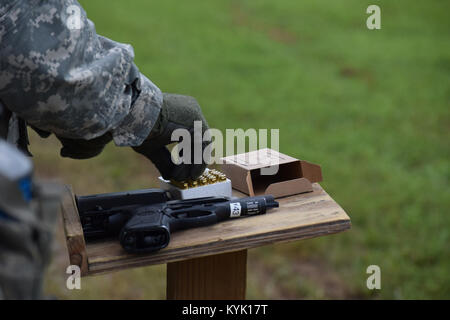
{"x": 301, "y": 216}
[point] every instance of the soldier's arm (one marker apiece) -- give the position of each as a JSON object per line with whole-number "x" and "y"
{"x": 60, "y": 76}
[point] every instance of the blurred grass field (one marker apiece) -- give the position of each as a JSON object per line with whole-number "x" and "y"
{"x": 372, "y": 107}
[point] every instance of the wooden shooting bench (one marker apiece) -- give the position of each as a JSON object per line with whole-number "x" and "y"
{"x": 210, "y": 262}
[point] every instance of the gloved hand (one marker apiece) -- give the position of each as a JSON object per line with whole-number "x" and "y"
{"x": 177, "y": 112}
{"x": 83, "y": 149}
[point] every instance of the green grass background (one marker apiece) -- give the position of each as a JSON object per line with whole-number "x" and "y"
{"x": 372, "y": 107}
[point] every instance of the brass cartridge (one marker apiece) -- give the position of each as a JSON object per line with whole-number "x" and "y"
{"x": 208, "y": 177}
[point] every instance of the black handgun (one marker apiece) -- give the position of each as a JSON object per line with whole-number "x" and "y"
{"x": 146, "y": 226}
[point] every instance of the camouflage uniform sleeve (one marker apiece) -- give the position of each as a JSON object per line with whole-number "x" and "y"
{"x": 60, "y": 76}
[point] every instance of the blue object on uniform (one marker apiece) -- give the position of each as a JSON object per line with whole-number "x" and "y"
{"x": 25, "y": 187}
{"x": 4, "y": 216}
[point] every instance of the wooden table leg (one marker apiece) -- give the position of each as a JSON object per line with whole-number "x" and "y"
{"x": 221, "y": 276}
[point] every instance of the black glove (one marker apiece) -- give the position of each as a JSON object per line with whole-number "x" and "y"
{"x": 84, "y": 149}
{"x": 177, "y": 112}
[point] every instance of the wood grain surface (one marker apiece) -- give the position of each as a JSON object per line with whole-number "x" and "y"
{"x": 76, "y": 245}
{"x": 299, "y": 217}
{"x": 217, "y": 277}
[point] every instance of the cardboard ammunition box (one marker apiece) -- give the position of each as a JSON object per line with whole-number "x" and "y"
{"x": 267, "y": 171}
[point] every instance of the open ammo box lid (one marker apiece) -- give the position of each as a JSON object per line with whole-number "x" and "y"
{"x": 267, "y": 171}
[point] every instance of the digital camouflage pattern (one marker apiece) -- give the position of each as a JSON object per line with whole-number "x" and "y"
{"x": 28, "y": 210}
{"x": 61, "y": 77}
{"x": 57, "y": 74}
